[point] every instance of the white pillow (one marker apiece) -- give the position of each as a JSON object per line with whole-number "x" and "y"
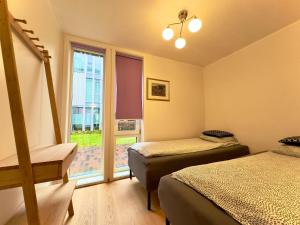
{"x": 218, "y": 140}
{"x": 288, "y": 150}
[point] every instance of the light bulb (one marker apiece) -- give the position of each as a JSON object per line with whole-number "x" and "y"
{"x": 195, "y": 25}
{"x": 168, "y": 33}
{"x": 180, "y": 43}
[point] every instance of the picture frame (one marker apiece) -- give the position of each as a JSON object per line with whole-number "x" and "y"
{"x": 158, "y": 90}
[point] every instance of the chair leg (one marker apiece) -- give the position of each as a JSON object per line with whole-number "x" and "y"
{"x": 167, "y": 221}
{"x": 149, "y": 201}
{"x": 130, "y": 174}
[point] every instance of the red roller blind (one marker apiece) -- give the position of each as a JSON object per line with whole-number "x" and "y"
{"x": 129, "y": 75}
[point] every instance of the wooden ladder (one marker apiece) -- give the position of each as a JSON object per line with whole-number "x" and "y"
{"x": 47, "y": 205}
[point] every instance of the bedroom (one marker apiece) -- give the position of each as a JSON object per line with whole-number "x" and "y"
{"x": 238, "y": 73}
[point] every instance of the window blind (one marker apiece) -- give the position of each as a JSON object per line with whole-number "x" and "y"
{"x": 129, "y": 78}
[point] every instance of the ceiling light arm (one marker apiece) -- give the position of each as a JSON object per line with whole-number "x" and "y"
{"x": 171, "y": 24}
{"x": 183, "y": 21}
{"x": 192, "y": 17}
{"x": 181, "y": 29}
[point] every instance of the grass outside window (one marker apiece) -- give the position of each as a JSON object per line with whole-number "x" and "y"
{"x": 95, "y": 139}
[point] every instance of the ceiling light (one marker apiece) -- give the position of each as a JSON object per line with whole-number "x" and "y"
{"x": 180, "y": 43}
{"x": 168, "y": 33}
{"x": 195, "y": 25}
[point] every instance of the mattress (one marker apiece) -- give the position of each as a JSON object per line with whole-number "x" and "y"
{"x": 149, "y": 170}
{"x": 183, "y": 205}
{"x": 177, "y": 147}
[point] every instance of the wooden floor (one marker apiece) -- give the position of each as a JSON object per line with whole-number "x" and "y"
{"x": 121, "y": 202}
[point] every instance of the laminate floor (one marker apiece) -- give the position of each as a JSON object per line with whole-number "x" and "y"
{"x": 120, "y": 202}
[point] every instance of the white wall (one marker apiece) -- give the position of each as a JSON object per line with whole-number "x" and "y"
{"x": 255, "y": 92}
{"x": 183, "y": 116}
{"x": 33, "y": 87}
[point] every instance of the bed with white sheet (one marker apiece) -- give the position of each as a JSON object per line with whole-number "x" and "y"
{"x": 149, "y": 161}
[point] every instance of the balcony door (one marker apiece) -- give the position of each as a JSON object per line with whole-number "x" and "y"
{"x": 87, "y": 116}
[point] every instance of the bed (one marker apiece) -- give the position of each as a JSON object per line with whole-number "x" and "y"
{"x": 183, "y": 205}
{"x": 259, "y": 189}
{"x": 149, "y": 170}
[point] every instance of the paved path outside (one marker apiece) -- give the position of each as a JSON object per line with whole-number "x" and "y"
{"x": 90, "y": 159}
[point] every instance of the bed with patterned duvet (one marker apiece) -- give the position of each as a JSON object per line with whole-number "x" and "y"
{"x": 261, "y": 189}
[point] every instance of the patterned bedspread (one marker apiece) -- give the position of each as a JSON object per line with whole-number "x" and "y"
{"x": 262, "y": 189}
{"x": 176, "y": 147}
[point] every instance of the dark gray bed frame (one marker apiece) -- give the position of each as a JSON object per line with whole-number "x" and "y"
{"x": 149, "y": 170}
{"x": 183, "y": 205}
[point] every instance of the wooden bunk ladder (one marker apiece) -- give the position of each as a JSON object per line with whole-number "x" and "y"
{"x": 29, "y": 167}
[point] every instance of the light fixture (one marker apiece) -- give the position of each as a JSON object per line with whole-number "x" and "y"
{"x": 195, "y": 25}
{"x": 180, "y": 43}
{"x": 168, "y": 33}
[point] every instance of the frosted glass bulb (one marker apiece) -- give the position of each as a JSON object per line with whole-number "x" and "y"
{"x": 168, "y": 33}
{"x": 195, "y": 25}
{"x": 180, "y": 43}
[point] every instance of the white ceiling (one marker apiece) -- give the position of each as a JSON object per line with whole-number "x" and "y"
{"x": 228, "y": 25}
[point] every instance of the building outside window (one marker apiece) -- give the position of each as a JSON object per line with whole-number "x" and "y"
{"x": 87, "y": 100}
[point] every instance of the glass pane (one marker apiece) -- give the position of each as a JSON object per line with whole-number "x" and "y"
{"x": 121, "y": 157}
{"x": 90, "y": 63}
{"x": 87, "y": 166}
{"x": 97, "y": 92}
{"x": 89, "y": 91}
{"x": 79, "y": 61}
{"x": 98, "y": 64}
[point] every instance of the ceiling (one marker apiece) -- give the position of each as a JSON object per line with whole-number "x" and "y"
{"x": 228, "y": 25}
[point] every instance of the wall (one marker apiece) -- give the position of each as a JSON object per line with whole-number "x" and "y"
{"x": 255, "y": 91}
{"x": 182, "y": 117}
{"x": 33, "y": 88}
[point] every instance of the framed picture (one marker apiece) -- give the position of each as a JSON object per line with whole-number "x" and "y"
{"x": 158, "y": 89}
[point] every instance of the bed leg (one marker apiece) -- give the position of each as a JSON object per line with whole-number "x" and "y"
{"x": 167, "y": 221}
{"x": 149, "y": 201}
{"x": 130, "y": 174}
